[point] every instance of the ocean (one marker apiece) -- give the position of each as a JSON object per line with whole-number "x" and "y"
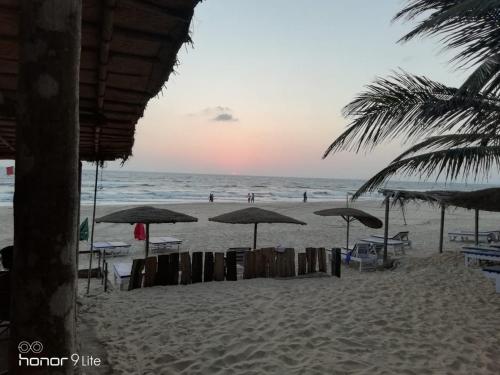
{"x": 126, "y": 187}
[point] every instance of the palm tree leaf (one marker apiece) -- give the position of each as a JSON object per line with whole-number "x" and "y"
{"x": 465, "y": 161}
{"x": 485, "y": 79}
{"x": 414, "y": 107}
{"x": 471, "y": 26}
{"x": 449, "y": 141}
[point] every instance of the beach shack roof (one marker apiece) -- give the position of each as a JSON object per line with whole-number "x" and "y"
{"x": 129, "y": 50}
{"x": 484, "y": 199}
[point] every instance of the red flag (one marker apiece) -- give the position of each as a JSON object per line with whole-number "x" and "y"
{"x": 10, "y": 171}
{"x": 139, "y": 232}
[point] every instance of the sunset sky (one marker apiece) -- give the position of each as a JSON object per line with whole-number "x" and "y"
{"x": 261, "y": 90}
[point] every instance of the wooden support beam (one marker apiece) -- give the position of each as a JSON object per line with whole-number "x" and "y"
{"x": 47, "y": 132}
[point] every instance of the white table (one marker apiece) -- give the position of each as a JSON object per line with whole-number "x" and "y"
{"x": 121, "y": 272}
{"x": 493, "y": 273}
{"x": 159, "y": 243}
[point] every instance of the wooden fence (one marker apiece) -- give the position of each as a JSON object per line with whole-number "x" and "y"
{"x": 207, "y": 266}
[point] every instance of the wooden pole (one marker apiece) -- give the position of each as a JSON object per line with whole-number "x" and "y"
{"x": 476, "y": 226}
{"x": 255, "y": 237}
{"x": 386, "y": 227}
{"x": 46, "y": 199}
{"x": 441, "y": 230}
{"x": 93, "y": 224}
{"x": 147, "y": 239}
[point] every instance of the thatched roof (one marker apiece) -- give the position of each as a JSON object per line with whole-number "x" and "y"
{"x": 146, "y": 215}
{"x": 129, "y": 49}
{"x": 346, "y": 212}
{"x": 255, "y": 215}
{"x": 484, "y": 199}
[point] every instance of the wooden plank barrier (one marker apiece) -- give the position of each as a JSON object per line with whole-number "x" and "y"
{"x": 260, "y": 269}
{"x": 219, "y": 267}
{"x": 322, "y": 260}
{"x": 314, "y": 258}
{"x": 150, "y": 266}
{"x": 302, "y": 263}
{"x": 231, "y": 274}
{"x": 269, "y": 255}
{"x": 208, "y": 269}
{"x": 290, "y": 253}
{"x": 246, "y": 265}
{"x": 185, "y": 268}
{"x": 173, "y": 269}
{"x": 162, "y": 272}
{"x": 197, "y": 267}
{"x": 309, "y": 259}
{"x": 136, "y": 274}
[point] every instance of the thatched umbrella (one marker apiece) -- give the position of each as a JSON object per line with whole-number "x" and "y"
{"x": 351, "y": 214}
{"x": 254, "y": 216}
{"x": 146, "y": 215}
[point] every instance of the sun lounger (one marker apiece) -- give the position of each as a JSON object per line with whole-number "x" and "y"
{"x": 395, "y": 245}
{"x": 363, "y": 253}
{"x": 480, "y": 253}
{"x": 160, "y": 244}
{"x": 400, "y": 236}
{"x": 493, "y": 273}
{"x": 468, "y": 236}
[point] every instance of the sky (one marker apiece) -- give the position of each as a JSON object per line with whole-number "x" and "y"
{"x": 260, "y": 92}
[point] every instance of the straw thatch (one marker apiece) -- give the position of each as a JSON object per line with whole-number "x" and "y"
{"x": 484, "y": 199}
{"x": 129, "y": 49}
{"x": 146, "y": 215}
{"x": 346, "y": 213}
{"x": 255, "y": 215}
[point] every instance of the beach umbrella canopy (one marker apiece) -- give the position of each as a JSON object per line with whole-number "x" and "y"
{"x": 146, "y": 215}
{"x": 254, "y": 215}
{"x": 351, "y": 214}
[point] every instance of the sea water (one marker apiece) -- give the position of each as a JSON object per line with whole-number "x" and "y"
{"x": 127, "y": 187}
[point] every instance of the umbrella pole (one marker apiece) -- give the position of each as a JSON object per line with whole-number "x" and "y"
{"x": 476, "y": 226}
{"x": 441, "y": 230}
{"x": 347, "y": 241}
{"x": 386, "y": 228}
{"x": 255, "y": 237}
{"x": 147, "y": 240}
{"x": 93, "y": 224}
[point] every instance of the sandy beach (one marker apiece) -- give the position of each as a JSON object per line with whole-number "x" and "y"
{"x": 430, "y": 315}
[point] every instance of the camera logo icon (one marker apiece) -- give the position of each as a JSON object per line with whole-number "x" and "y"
{"x": 26, "y": 347}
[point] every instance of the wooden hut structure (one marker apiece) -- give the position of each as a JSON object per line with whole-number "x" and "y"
{"x": 484, "y": 200}
{"x": 75, "y": 78}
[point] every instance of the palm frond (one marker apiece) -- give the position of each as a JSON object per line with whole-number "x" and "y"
{"x": 414, "y": 107}
{"x": 485, "y": 79}
{"x": 471, "y": 26}
{"x": 477, "y": 161}
{"x": 449, "y": 141}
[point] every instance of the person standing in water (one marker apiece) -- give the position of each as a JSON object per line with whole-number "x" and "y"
{"x": 249, "y": 197}
{"x": 305, "y": 196}
{"x": 253, "y": 198}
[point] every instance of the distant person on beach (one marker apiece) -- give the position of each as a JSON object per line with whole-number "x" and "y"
{"x": 305, "y": 196}
{"x": 253, "y": 198}
{"x": 249, "y": 197}
{"x": 211, "y": 198}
